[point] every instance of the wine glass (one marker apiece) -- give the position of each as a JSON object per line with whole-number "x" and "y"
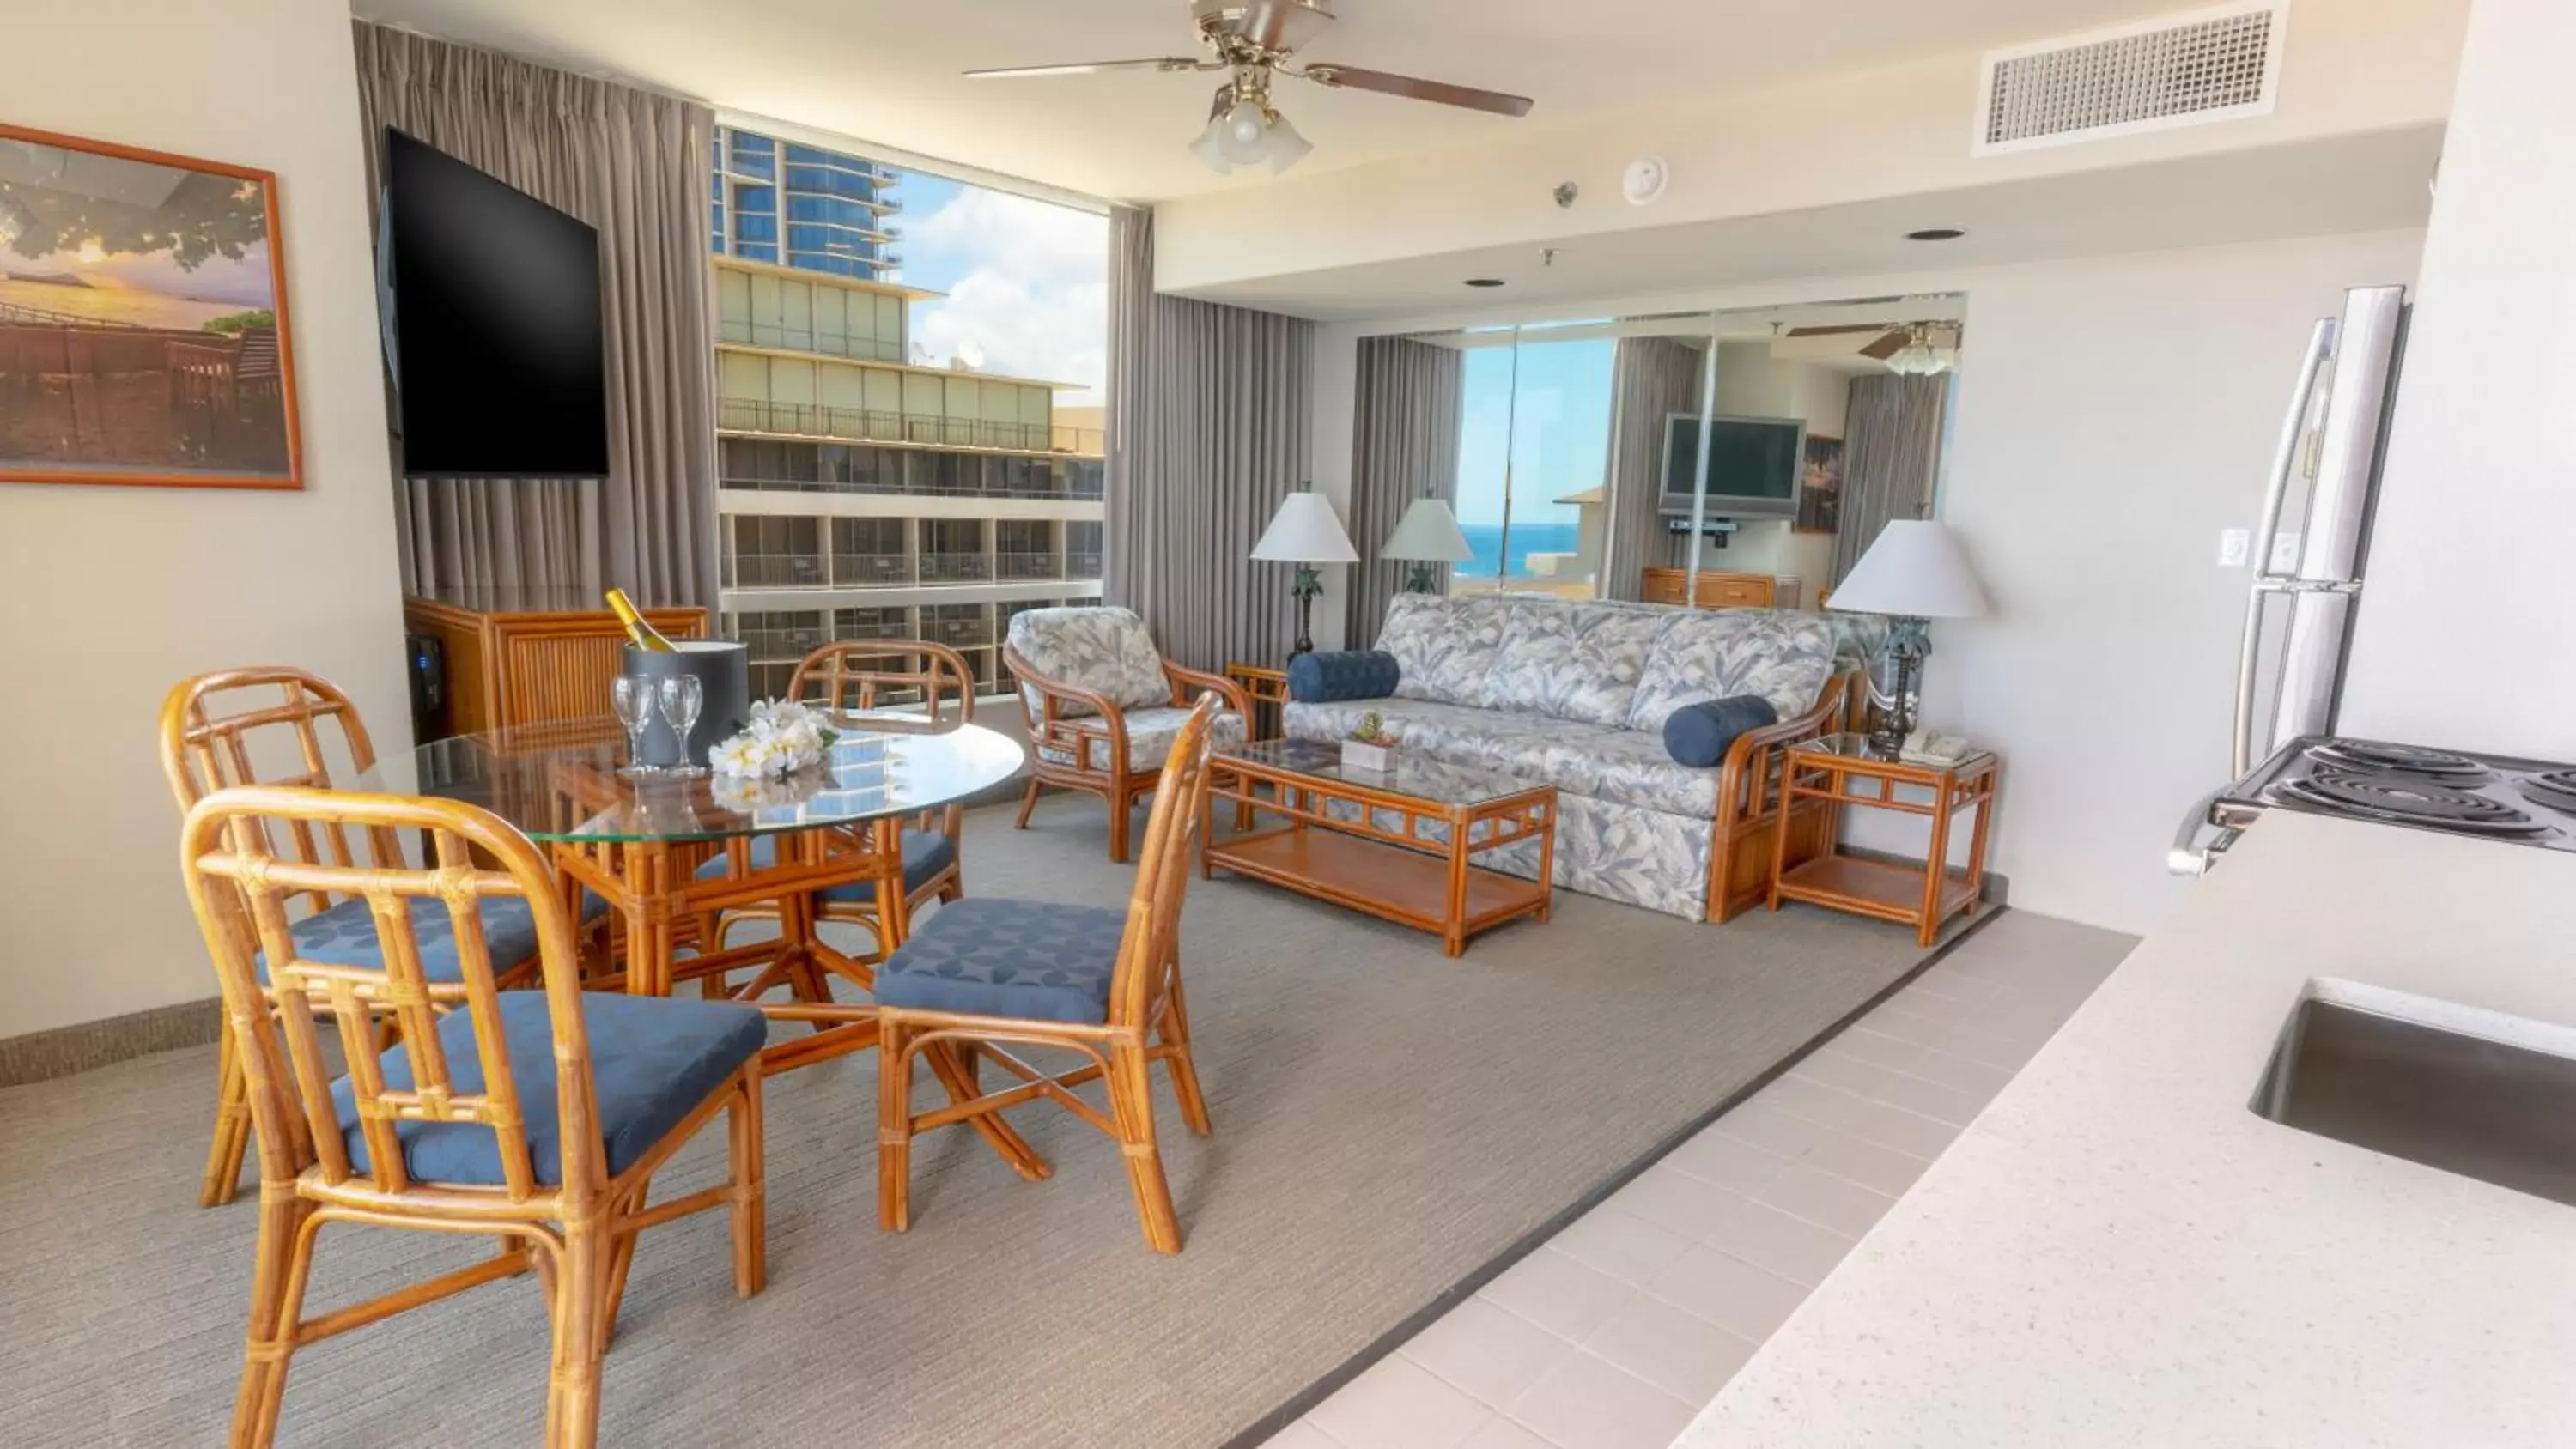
{"x": 683, "y": 695}
{"x": 632, "y": 697}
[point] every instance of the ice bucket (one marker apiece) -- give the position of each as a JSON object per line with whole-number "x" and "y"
{"x": 722, "y": 668}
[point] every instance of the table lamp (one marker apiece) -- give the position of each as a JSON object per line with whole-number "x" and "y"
{"x": 1914, "y": 573}
{"x": 1426, "y": 535}
{"x": 1305, "y": 532}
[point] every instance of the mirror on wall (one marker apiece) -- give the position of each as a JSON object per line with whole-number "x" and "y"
{"x": 1687, "y": 456}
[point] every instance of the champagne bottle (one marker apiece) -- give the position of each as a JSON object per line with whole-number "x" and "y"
{"x": 643, "y": 634}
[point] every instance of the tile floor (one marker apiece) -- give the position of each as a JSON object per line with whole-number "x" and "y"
{"x": 1614, "y": 1334}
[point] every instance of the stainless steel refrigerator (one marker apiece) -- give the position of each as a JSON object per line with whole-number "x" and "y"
{"x": 2298, "y": 620}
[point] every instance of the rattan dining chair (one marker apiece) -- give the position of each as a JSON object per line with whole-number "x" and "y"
{"x": 856, "y": 675}
{"x": 1093, "y": 980}
{"x": 537, "y": 1117}
{"x": 280, "y": 726}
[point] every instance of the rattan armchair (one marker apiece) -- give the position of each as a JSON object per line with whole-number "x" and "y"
{"x": 537, "y": 1118}
{"x": 985, "y": 974}
{"x": 1102, "y": 704}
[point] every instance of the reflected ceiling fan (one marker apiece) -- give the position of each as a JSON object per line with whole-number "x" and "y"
{"x": 1914, "y": 348}
{"x": 1257, "y": 39}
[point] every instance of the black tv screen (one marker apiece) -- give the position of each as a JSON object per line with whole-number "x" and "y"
{"x": 1753, "y": 464}
{"x": 493, "y": 312}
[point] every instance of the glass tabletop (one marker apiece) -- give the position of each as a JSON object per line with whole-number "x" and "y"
{"x": 1416, "y": 775}
{"x": 1861, "y": 747}
{"x": 559, "y": 781}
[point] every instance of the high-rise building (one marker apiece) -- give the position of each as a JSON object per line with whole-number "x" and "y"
{"x": 861, "y": 495}
{"x": 804, "y": 207}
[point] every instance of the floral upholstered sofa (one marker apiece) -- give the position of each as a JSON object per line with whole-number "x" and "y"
{"x": 1575, "y": 694}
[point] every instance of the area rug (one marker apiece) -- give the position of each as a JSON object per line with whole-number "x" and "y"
{"x": 1388, "y": 1123}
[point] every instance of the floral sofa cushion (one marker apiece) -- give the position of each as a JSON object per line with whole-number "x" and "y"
{"x": 1574, "y": 661}
{"x": 1104, "y": 650}
{"x": 1603, "y": 762}
{"x": 1149, "y": 738}
{"x": 1783, "y": 657}
{"x": 1444, "y": 648}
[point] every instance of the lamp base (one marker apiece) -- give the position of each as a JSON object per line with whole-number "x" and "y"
{"x": 1422, "y": 578}
{"x": 1305, "y": 589}
{"x": 1909, "y": 643}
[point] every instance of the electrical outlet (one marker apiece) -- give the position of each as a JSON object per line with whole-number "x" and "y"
{"x": 2285, "y": 553}
{"x": 2234, "y": 544}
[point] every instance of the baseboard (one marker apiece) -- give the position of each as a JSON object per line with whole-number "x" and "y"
{"x": 40, "y": 1055}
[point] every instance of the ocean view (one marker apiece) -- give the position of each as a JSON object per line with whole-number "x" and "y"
{"x": 1527, "y": 538}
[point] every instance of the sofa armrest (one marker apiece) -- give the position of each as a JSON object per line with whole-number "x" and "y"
{"x": 1186, "y": 680}
{"x": 1744, "y": 787}
{"x": 1048, "y": 725}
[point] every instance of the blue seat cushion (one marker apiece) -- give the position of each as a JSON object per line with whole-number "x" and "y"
{"x": 925, "y": 854}
{"x": 1034, "y": 960}
{"x": 345, "y": 935}
{"x": 652, "y": 1061}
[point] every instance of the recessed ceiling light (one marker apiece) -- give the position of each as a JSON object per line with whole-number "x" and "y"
{"x": 1936, "y": 233}
{"x": 1484, "y": 281}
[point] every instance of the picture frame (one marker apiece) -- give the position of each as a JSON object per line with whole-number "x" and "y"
{"x": 1820, "y": 486}
{"x": 145, "y": 337}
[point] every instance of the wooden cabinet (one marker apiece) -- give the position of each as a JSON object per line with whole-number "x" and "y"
{"x": 515, "y": 657}
{"x": 1720, "y": 590}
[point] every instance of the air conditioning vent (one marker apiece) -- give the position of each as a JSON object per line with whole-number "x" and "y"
{"x": 2179, "y": 70}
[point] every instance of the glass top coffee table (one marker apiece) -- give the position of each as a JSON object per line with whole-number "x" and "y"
{"x": 1401, "y": 844}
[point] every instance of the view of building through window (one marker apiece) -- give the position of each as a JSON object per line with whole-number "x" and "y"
{"x": 909, "y": 410}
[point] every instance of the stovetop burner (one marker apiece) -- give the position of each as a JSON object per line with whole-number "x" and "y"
{"x": 2371, "y": 757}
{"x": 2553, "y": 788}
{"x": 2412, "y": 800}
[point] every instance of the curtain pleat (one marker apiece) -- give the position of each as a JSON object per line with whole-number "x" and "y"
{"x": 1891, "y": 443}
{"x": 1650, "y": 378}
{"x": 638, "y": 167}
{"x": 1208, "y": 416}
{"x": 1404, "y": 446}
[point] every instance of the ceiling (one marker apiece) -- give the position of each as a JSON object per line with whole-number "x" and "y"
{"x": 887, "y": 72}
{"x": 2372, "y": 181}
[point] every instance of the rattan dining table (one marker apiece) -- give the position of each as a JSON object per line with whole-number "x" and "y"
{"x": 643, "y": 842}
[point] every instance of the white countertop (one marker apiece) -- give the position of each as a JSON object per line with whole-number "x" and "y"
{"x": 2119, "y": 1252}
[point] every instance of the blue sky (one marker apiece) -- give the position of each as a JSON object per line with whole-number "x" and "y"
{"x": 1558, "y": 438}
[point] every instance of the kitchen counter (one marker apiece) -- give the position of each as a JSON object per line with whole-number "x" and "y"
{"x": 2118, "y": 1251}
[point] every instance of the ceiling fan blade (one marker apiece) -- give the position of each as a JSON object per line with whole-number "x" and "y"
{"x": 1887, "y": 346}
{"x": 1095, "y": 67}
{"x": 1414, "y": 88}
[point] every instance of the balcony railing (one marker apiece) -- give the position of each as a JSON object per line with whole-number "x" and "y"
{"x": 751, "y": 415}
{"x": 1082, "y": 563}
{"x": 955, "y": 568}
{"x": 871, "y": 568}
{"x": 852, "y": 625}
{"x": 961, "y": 633}
{"x": 1024, "y": 565}
{"x": 777, "y": 571}
{"x": 1088, "y": 442}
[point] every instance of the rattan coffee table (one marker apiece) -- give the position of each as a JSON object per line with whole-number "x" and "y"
{"x": 1399, "y": 844}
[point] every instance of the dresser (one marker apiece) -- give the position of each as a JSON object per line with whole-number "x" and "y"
{"x": 1720, "y": 590}
{"x": 517, "y": 656}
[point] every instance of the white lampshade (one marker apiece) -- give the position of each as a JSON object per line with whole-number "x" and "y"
{"x": 1914, "y": 570}
{"x": 1305, "y": 530}
{"x": 1428, "y": 533}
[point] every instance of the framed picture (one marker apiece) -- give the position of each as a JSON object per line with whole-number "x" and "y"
{"x": 1820, "y": 486}
{"x": 143, "y": 324}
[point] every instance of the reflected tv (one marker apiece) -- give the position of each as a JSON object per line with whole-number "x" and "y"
{"x": 1753, "y": 465}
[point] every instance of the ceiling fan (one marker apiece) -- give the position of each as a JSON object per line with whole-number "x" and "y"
{"x": 1906, "y": 347}
{"x": 1257, "y": 39}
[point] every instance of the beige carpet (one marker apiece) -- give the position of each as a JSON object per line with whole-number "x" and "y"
{"x": 1388, "y": 1122}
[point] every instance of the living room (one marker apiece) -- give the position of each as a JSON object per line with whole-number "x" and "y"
{"x": 1699, "y": 1025}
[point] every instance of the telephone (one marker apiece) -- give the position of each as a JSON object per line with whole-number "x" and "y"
{"x": 1924, "y": 747}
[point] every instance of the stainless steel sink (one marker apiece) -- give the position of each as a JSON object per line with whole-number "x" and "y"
{"x": 2475, "y": 1092}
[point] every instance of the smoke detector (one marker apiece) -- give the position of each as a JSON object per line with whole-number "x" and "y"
{"x": 1644, "y": 181}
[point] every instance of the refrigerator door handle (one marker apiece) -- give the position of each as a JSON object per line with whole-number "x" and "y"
{"x": 2276, "y": 492}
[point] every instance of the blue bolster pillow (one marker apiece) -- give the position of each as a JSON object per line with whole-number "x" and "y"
{"x": 1698, "y": 734}
{"x": 1348, "y": 674}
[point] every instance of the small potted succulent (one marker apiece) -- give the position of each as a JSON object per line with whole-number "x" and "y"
{"x": 1370, "y": 746}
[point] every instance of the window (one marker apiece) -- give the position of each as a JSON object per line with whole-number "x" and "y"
{"x": 1534, "y": 427}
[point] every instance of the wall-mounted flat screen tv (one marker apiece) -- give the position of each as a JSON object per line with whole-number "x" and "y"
{"x": 1753, "y": 465}
{"x": 492, "y": 324}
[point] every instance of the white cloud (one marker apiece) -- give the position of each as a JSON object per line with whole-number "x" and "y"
{"x": 1034, "y": 297}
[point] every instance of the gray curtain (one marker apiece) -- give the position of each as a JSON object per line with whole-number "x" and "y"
{"x": 638, "y": 167}
{"x": 1650, "y": 378}
{"x": 1208, "y": 414}
{"x": 1404, "y": 446}
{"x": 1891, "y": 443}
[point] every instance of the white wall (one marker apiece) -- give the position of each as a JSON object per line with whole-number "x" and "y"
{"x": 115, "y": 594}
{"x": 2468, "y": 623}
{"x": 2114, "y": 415}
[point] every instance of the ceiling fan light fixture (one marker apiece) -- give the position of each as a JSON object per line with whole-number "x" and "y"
{"x": 1210, "y": 147}
{"x": 1919, "y": 357}
{"x": 1287, "y": 148}
{"x": 1246, "y": 134}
